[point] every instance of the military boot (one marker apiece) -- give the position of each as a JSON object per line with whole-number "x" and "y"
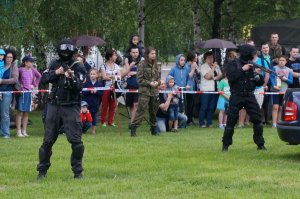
{"x": 133, "y": 131}
{"x": 153, "y": 130}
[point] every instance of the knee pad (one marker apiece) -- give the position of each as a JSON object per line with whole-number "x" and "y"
{"x": 258, "y": 125}
{"x": 44, "y": 154}
{"x": 77, "y": 150}
{"x": 229, "y": 129}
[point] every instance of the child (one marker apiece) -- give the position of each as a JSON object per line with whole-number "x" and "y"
{"x": 29, "y": 78}
{"x": 2, "y": 53}
{"x": 280, "y": 83}
{"x": 134, "y": 40}
{"x": 85, "y": 117}
{"x": 223, "y": 101}
{"x": 93, "y": 97}
{"x": 174, "y": 104}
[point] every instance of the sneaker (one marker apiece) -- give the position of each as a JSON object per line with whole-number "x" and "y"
{"x": 203, "y": 126}
{"x": 6, "y": 137}
{"x": 113, "y": 125}
{"x": 261, "y": 148}
{"x": 103, "y": 125}
{"x": 174, "y": 130}
{"x": 221, "y": 126}
{"x": 274, "y": 126}
{"x": 78, "y": 176}
{"x": 191, "y": 124}
{"x": 24, "y": 133}
{"x": 241, "y": 126}
{"x": 19, "y": 133}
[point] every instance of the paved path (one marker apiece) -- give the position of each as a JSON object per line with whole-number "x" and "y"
{"x": 165, "y": 69}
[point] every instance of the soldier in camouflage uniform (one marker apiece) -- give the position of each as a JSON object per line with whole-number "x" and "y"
{"x": 148, "y": 78}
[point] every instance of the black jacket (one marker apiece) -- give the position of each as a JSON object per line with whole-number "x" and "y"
{"x": 240, "y": 81}
{"x": 65, "y": 91}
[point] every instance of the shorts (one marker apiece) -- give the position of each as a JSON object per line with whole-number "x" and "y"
{"x": 24, "y": 102}
{"x": 277, "y": 99}
{"x": 131, "y": 98}
{"x": 222, "y": 103}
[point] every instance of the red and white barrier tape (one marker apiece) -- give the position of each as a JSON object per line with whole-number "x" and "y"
{"x": 136, "y": 91}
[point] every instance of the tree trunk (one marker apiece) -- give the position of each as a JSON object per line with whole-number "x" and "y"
{"x": 231, "y": 32}
{"x": 217, "y": 19}
{"x": 196, "y": 20}
{"x": 141, "y": 20}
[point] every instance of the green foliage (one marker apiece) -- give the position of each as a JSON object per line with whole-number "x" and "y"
{"x": 38, "y": 24}
{"x": 184, "y": 165}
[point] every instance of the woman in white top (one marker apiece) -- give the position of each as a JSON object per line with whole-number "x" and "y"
{"x": 110, "y": 71}
{"x": 210, "y": 75}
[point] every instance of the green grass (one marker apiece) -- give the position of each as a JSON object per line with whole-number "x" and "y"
{"x": 189, "y": 164}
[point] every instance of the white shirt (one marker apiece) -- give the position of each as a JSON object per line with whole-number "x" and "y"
{"x": 109, "y": 72}
{"x": 207, "y": 85}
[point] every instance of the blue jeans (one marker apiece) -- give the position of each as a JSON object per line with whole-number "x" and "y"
{"x": 161, "y": 124}
{"x": 86, "y": 126}
{"x": 208, "y": 104}
{"x": 4, "y": 111}
{"x": 173, "y": 111}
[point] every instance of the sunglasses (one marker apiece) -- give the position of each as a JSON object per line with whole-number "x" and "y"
{"x": 67, "y": 47}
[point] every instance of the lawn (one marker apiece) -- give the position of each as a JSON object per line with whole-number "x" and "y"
{"x": 188, "y": 164}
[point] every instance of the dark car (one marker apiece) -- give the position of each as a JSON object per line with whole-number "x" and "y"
{"x": 288, "y": 127}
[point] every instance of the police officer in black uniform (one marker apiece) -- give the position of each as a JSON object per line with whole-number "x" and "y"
{"x": 66, "y": 76}
{"x": 243, "y": 79}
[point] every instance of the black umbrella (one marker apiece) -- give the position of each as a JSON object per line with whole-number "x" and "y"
{"x": 215, "y": 43}
{"x": 86, "y": 40}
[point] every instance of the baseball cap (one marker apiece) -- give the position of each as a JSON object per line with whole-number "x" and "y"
{"x": 27, "y": 58}
{"x": 84, "y": 103}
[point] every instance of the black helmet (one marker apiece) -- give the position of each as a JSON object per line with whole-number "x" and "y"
{"x": 247, "y": 52}
{"x": 65, "y": 49}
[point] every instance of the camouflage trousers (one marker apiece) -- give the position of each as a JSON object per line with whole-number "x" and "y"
{"x": 145, "y": 103}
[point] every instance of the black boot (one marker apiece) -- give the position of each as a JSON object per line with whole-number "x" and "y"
{"x": 133, "y": 131}
{"x": 153, "y": 130}
{"x": 44, "y": 162}
{"x": 261, "y": 148}
{"x": 224, "y": 148}
{"x": 41, "y": 175}
{"x": 78, "y": 176}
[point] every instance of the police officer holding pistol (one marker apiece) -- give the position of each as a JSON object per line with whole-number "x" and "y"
{"x": 66, "y": 76}
{"x": 243, "y": 79}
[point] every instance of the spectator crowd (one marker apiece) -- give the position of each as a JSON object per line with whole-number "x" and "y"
{"x": 176, "y": 109}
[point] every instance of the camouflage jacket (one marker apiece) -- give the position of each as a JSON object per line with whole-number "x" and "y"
{"x": 145, "y": 74}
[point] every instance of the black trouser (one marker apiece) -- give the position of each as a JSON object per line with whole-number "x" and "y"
{"x": 189, "y": 107}
{"x": 249, "y": 102}
{"x": 70, "y": 116}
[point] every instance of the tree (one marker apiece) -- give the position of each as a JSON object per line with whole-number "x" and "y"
{"x": 141, "y": 20}
{"x": 196, "y": 20}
